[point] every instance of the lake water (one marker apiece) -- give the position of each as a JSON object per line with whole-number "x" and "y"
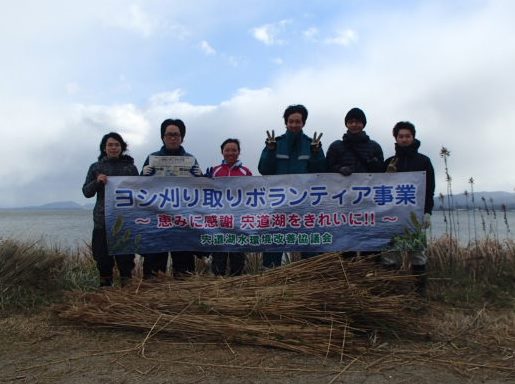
{"x": 72, "y": 228}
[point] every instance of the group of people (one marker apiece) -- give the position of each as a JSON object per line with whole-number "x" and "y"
{"x": 290, "y": 153}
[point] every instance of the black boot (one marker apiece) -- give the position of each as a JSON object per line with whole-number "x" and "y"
{"x": 106, "y": 281}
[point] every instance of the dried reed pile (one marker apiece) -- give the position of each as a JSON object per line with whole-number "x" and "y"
{"x": 324, "y": 305}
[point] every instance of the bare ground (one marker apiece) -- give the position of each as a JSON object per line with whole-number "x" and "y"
{"x": 39, "y": 348}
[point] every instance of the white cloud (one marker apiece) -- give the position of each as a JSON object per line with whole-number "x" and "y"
{"x": 125, "y": 119}
{"x": 451, "y": 75}
{"x": 133, "y": 18}
{"x": 344, "y": 38}
{"x": 207, "y": 48}
{"x": 269, "y": 34}
{"x": 311, "y": 34}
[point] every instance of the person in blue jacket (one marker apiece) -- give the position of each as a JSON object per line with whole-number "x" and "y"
{"x": 291, "y": 153}
{"x": 183, "y": 262}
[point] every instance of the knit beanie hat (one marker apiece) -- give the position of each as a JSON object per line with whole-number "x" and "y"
{"x": 356, "y": 113}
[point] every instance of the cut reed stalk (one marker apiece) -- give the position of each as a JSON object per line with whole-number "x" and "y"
{"x": 323, "y": 306}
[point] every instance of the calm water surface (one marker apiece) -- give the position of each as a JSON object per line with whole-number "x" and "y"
{"x": 71, "y": 228}
{"x": 67, "y": 228}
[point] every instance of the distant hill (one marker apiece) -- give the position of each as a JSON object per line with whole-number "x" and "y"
{"x": 61, "y": 205}
{"x": 460, "y": 201}
{"x": 57, "y": 205}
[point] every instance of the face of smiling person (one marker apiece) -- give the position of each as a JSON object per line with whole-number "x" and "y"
{"x": 231, "y": 153}
{"x": 113, "y": 148}
{"x": 404, "y": 138}
{"x": 294, "y": 122}
{"x": 355, "y": 126}
{"x": 172, "y": 138}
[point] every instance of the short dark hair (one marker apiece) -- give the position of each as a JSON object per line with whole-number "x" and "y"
{"x": 298, "y": 108}
{"x": 103, "y": 142}
{"x": 177, "y": 122}
{"x": 235, "y": 141}
{"x": 403, "y": 125}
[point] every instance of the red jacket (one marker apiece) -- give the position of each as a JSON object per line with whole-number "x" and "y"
{"x": 237, "y": 169}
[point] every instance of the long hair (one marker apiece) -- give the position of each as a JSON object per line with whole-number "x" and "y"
{"x": 103, "y": 142}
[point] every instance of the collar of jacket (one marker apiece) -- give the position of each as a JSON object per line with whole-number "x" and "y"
{"x": 237, "y": 164}
{"x": 121, "y": 159}
{"x": 409, "y": 150}
{"x": 361, "y": 137}
{"x": 293, "y": 143}
{"x": 178, "y": 152}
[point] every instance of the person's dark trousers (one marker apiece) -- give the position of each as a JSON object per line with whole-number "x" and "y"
{"x": 219, "y": 263}
{"x": 183, "y": 262}
{"x": 105, "y": 262}
{"x": 236, "y": 263}
{"x": 272, "y": 259}
{"x": 153, "y": 263}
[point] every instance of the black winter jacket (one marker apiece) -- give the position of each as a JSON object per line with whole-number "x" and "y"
{"x": 123, "y": 166}
{"x": 407, "y": 159}
{"x": 356, "y": 151}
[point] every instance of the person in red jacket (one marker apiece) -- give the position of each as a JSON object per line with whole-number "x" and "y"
{"x": 231, "y": 166}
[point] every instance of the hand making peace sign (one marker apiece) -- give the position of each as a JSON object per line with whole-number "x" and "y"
{"x": 315, "y": 143}
{"x": 270, "y": 141}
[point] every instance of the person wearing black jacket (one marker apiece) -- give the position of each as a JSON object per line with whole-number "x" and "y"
{"x": 408, "y": 159}
{"x": 183, "y": 262}
{"x": 355, "y": 152}
{"x": 112, "y": 161}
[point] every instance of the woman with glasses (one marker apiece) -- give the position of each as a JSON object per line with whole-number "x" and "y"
{"x": 183, "y": 262}
{"x": 112, "y": 161}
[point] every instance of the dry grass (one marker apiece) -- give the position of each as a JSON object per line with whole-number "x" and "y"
{"x": 32, "y": 274}
{"x": 474, "y": 274}
{"x": 324, "y": 305}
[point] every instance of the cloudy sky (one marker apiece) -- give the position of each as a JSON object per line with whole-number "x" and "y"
{"x": 72, "y": 71}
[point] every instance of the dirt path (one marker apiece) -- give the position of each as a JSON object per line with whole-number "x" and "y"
{"x": 40, "y": 349}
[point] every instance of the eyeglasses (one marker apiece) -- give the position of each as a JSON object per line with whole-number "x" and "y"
{"x": 174, "y": 134}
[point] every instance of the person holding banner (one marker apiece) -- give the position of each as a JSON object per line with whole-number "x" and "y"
{"x": 231, "y": 166}
{"x": 355, "y": 152}
{"x": 112, "y": 161}
{"x": 408, "y": 159}
{"x": 291, "y": 153}
{"x": 172, "y": 136}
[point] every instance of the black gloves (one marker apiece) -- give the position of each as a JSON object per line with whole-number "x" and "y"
{"x": 345, "y": 170}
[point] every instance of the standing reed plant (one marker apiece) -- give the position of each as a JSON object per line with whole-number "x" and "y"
{"x": 471, "y": 182}
{"x": 34, "y": 274}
